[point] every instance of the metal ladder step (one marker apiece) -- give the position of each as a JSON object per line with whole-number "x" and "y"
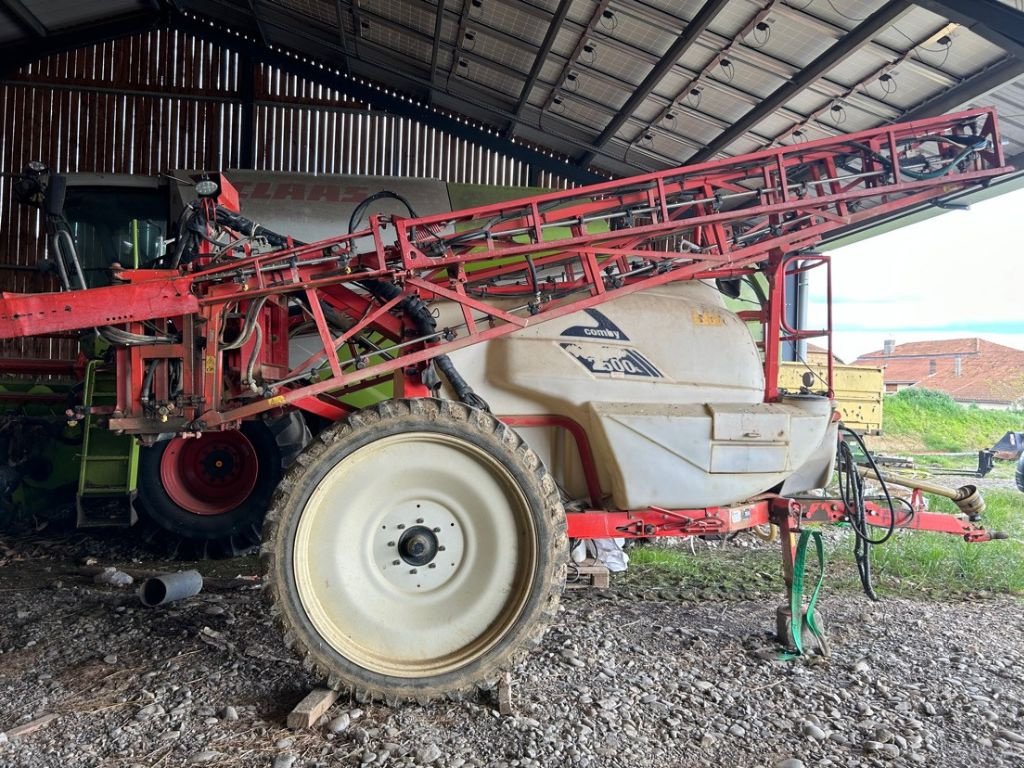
{"x": 107, "y": 478}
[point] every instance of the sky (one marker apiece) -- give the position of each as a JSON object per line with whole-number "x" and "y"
{"x": 957, "y": 275}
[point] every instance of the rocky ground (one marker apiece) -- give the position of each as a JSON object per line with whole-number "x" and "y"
{"x": 628, "y": 677}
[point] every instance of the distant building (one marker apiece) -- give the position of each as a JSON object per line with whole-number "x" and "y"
{"x": 971, "y": 371}
{"x": 816, "y": 354}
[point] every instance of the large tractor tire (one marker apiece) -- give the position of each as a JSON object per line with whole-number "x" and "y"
{"x": 1020, "y": 473}
{"x": 206, "y": 496}
{"x": 415, "y": 551}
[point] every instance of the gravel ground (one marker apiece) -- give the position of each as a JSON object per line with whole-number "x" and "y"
{"x": 622, "y": 680}
{"x": 989, "y": 483}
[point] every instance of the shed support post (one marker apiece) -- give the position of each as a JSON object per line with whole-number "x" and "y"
{"x": 247, "y": 95}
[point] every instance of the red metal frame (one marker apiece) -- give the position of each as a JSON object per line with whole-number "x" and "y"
{"x": 579, "y": 436}
{"x": 789, "y": 514}
{"x": 560, "y": 252}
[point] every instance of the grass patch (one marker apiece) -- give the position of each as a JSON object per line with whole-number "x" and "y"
{"x": 933, "y": 421}
{"x": 916, "y": 561}
{"x": 725, "y": 569}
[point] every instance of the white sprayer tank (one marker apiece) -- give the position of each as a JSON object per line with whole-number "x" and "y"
{"x": 669, "y": 387}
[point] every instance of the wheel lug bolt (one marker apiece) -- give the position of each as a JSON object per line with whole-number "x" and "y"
{"x": 396, "y": 562}
{"x": 391, "y": 543}
{"x": 401, "y": 526}
{"x": 437, "y": 530}
{"x": 419, "y": 520}
{"x": 412, "y": 570}
{"x": 432, "y": 565}
{"x": 441, "y": 548}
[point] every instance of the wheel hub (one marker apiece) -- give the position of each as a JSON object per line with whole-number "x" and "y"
{"x": 419, "y": 546}
{"x": 219, "y": 465}
{"x": 209, "y": 475}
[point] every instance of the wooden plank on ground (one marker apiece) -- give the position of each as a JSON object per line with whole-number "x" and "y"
{"x": 589, "y": 573}
{"x": 505, "y": 694}
{"x": 309, "y": 710}
{"x": 31, "y": 726}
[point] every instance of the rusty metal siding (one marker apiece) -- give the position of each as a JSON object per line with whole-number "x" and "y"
{"x": 164, "y": 99}
{"x": 303, "y": 128}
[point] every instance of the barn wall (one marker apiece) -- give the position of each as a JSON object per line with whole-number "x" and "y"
{"x": 165, "y": 99}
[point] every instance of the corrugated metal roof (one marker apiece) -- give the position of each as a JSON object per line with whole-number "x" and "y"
{"x": 626, "y": 85}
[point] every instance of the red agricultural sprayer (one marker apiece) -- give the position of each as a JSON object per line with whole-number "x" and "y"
{"x": 563, "y": 365}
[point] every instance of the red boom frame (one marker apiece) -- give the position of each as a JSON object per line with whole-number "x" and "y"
{"x": 560, "y": 252}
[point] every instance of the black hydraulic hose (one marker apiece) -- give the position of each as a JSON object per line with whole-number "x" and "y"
{"x": 117, "y": 337}
{"x": 384, "y": 194}
{"x": 250, "y": 324}
{"x": 417, "y": 310}
{"x": 968, "y": 148}
{"x": 885, "y": 488}
{"x": 851, "y": 490}
{"x": 191, "y": 230}
{"x": 147, "y": 383}
{"x": 251, "y": 365}
{"x": 182, "y": 239}
{"x": 246, "y": 226}
{"x": 459, "y": 384}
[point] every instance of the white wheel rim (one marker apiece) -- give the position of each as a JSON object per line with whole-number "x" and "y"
{"x": 456, "y": 505}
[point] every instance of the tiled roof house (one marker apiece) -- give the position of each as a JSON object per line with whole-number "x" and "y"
{"x": 969, "y": 370}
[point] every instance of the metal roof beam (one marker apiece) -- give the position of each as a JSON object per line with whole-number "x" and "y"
{"x": 974, "y": 87}
{"x": 996, "y": 22}
{"x": 435, "y": 47}
{"x": 278, "y": 23}
{"x": 714, "y": 42}
{"x": 538, "y": 63}
{"x": 24, "y": 17}
{"x": 599, "y": 76}
{"x": 343, "y": 36}
{"x": 815, "y": 116}
{"x": 312, "y": 41}
{"x": 677, "y": 103}
{"x": 856, "y": 38}
{"x": 499, "y": 68}
{"x": 595, "y": 18}
{"x": 609, "y": 80}
{"x": 523, "y": 45}
{"x": 691, "y": 144}
{"x": 476, "y": 94}
{"x": 259, "y": 24}
{"x": 678, "y": 49}
{"x": 460, "y": 38}
{"x": 496, "y": 67}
